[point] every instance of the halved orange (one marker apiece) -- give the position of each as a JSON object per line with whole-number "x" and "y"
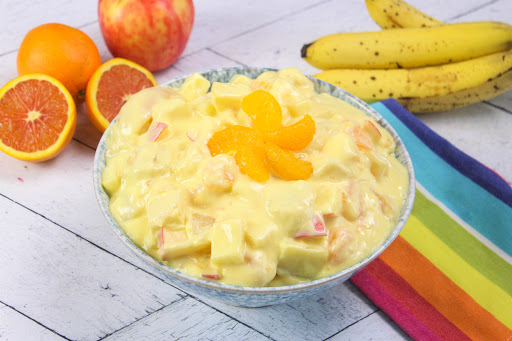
{"x": 111, "y": 86}
{"x": 37, "y": 117}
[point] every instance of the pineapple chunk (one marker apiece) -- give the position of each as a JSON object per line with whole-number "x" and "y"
{"x": 300, "y": 108}
{"x": 194, "y": 87}
{"x": 228, "y": 96}
{"x": 379, "y": 165}
{"x": 262, "y": 235}
{"x": 167, "y": 208}
{"x": 112, "y": 173}
{"x": 240, "y": 79}
{"x": 171, "y": 109}
{"x": 328, "y": 199}
{"x": 341, "y": 147}
{"x": 175, "y": 243}
{"x": 228, "y": 244}
{"x": 199, "y": 225}
{"x": 137, "y": 229}
{"x": 352, "y": 201}
{"x": 300, "y": 258}
{"x": 290, "y": 204}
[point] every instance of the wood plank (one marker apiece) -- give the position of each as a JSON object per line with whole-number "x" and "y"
{"x": 19, "y": 17}
{"x": 67, "y": 284}
{"x": 315, "y": 318}
{"x": 479, "y": 130}
{"x": 377, "y": 326}
{"x": 189, "y": 320}
{"x": 15, "y": 326}
{"x": 64, "y": 195}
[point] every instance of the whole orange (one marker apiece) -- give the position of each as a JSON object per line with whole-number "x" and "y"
{"x": 62, "y": 52}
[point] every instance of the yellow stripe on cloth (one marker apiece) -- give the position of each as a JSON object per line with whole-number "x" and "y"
{"x": 488, "y": 295}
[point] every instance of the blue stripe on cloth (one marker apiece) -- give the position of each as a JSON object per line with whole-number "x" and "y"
{"x": 479, "y": 208}
{"x": 464, "y": 163}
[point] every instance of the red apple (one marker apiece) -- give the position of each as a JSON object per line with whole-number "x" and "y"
{"x": 152, "y": 33}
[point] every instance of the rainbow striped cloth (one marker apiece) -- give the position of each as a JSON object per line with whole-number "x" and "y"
{"x": 448, "y": 275}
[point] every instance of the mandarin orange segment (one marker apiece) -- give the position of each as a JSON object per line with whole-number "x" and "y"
{"x": 285, "y": 165}
{"x": 264, "y": 110}
{"x": 227, "y": 141}
{"x": 251, "y": 161}
{"x": 294, "y": 137}
{"x": 247, "y": 147}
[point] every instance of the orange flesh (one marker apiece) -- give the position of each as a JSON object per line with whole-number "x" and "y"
{"x": 267, "y": 147}
{"x": 285, "y": 165}
{"x": 35, "y": 113}
{"x": 294, "y": 137}
{"x": 116, "y": 86}
{"x": 264, "y": 110}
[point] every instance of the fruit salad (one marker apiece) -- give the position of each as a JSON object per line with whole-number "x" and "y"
{"x": 254, "y": 182}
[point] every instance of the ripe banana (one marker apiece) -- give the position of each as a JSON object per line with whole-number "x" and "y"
{"x": 375, "y": 85}
{"x": 398, "y": 14}
{"x": 408, "y": 47}
{"x": 487, "y": 90}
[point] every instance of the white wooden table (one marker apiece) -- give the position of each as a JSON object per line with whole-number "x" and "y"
{"x": 64, "y": 274}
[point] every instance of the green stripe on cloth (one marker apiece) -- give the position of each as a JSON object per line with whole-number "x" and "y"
{"x": 467, "y": 246}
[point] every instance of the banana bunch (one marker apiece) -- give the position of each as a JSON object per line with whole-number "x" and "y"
{"x": 426, "y": 65}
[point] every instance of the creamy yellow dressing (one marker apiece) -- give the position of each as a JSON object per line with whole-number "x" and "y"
{"x": 201, "y": 216}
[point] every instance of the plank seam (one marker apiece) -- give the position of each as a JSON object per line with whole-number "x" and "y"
{"x": 350, "y": 325}
{"x": 142, "y": 317}
{"x": 474, "y": 9}
{"x": 508, "y": 111}
{"x": 136, "y": 267}
{"x": 33, "y": 320}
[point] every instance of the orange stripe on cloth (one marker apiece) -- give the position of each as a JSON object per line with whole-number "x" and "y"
{"x": 449, "y": 299}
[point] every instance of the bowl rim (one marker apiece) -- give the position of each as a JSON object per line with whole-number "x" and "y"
{"x": 405, "y": 211}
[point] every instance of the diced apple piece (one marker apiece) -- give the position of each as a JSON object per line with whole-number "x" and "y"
{"x": 299, "y": 258}
{"x": 155, "y": 130}
{"x": 168, "y": 236}
{"x": 386, "y": 205}
{"x": 379, "y": 165}
{"x": 194, "y": 87}
{"x": 342, "y": 244}
{"x": 361, "y": 138}
{"x": 328, "y": 168}
{"x": 167, "y": 208}
{"x": 214, "y": 277}
{"x": 315, "y": 229}
{"x": 328, "y": 199}
{"x": 219, "y": 174}
{"x": 352, "y": 204}
{"x": 372, "y": 131}
{"x": 341, "y": 147}
{"x": 137, "y": 113}
{"x": 228, "y": 96}
{"x": 198, "y": 223}
{"x": 228, "y": 244}
{"x": 170, "y": 110}
{"x": 290, "y": 204}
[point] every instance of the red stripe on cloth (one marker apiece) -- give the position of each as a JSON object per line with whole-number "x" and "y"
{"x": 403, "y": 317}
{"x": 402, "y": 292}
